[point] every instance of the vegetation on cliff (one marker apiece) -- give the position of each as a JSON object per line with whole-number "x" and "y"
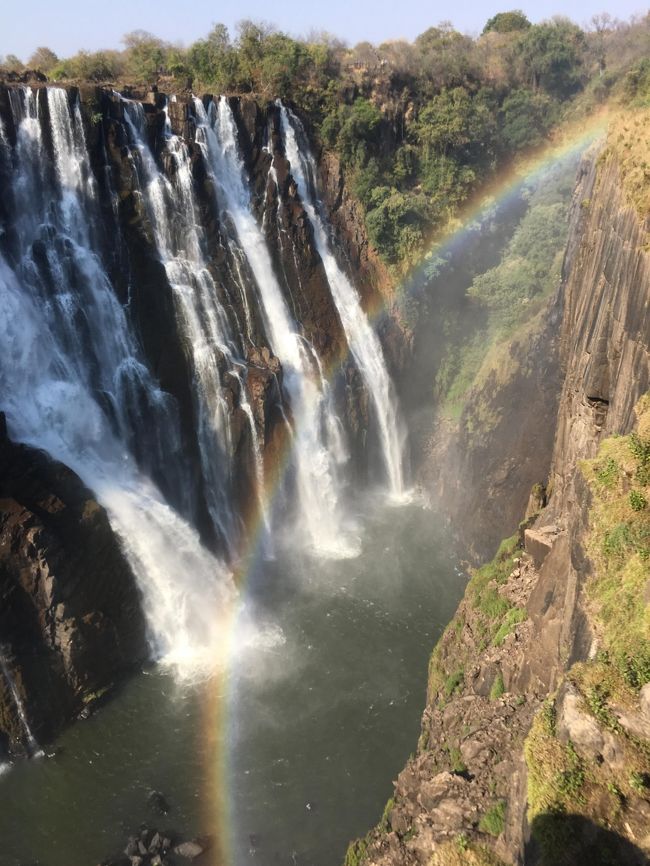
{"x": 628, "y": 142}
{"x": 418, "y": 126}
{"x": 505, "y": 299}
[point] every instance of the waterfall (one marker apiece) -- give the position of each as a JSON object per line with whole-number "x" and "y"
{"x": 34, "y": 750}
{"x": 202, "y": 318}
{"x": 72, "y": 382}
{"x": 316, "y": 457}
{"x": 362, "y": 339}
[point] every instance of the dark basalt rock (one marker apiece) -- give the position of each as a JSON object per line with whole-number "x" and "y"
{"x": 70, "y": 616}
{"x": 158, "y": 803}
{"x": 151, "y": 847}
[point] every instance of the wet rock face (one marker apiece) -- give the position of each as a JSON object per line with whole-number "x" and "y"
{"x": 70, "y": 615}
{"x": 483, "y": 469}
{"x": 140, "y": 276}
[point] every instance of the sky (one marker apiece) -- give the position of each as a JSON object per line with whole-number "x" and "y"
{"x": 69, "y": 25}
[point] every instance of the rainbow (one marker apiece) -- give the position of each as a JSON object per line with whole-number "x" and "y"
{"x": 569, "y": 142}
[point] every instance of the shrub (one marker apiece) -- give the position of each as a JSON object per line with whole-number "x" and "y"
{"x": 453, "y": 682}
{"x": 640, "y": 782}
{"x": 498, "y": 687}
{"x": 512, "y": 618}
{"x": 637, "y": 500}
{"x": 609, "y": 472}
{"x": 356, "y": 853}
{"x": 493, "y": 821}
{"x": 456, "y": 762}
{"x": 385, "y": 816}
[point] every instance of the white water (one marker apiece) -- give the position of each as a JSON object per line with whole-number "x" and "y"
{"x": 34, "y": 749}
{"x": 72, "y": 384}
{"x": 316, "y": 457}
{"x": 362, "y": 340}
{"x": 202, "y": 319}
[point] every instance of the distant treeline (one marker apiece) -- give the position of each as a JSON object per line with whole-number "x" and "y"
{"x": 417, "y": 125}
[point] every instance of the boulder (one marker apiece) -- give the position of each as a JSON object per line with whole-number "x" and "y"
{"x": 538, "y": 543}
{"x": 189, "y": 850}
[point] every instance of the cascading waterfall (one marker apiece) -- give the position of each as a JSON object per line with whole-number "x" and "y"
{"x": 316, "y": 454}
{"x": 203, "y": 322}
{"x": 203, "y": 318}
{"x": 72, "y": 382}
{"x": 362, "y": 340}
{"x": 33, "y": 748}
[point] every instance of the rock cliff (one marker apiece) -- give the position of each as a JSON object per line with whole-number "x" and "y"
{"x": 70, "y": 615}
{"x": 534, "y": 744}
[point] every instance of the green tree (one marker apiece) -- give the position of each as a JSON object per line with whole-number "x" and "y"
{"x": 87, "y": 66}
{"x": 285, "y": 63}
{"x": 530, "y": 266}
{"x": 526, "y": 118}
{"x": 457, "y": 123}
{"x": 355, "y": 131}
{"x": 636, "y": 84}
{"x": 445, "y": 58}
{"x": 145, "y": 54}
{"x": 251, "y": 41}
{"x": 507, "y": 22}
{"x": 397, "y": 224}
{"x": 552, "y": 57}
{"x": 214, "y": 60}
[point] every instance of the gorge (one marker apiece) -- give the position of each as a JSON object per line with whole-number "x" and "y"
{"x": 238, "y": 477}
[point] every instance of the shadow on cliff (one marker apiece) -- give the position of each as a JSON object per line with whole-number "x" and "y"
{"x": 567, "y": 840}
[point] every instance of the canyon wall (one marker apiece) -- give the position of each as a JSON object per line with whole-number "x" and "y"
{"x": 503, "y": 772}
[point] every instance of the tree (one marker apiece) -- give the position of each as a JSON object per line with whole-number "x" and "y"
{"x": 43, "y": 59}
{"x": 95, "y": 66}
{"x": 251, "y": 40}
{"x": 600, "y": 26}
{"x": 551, "y": 55}
{"x": 213, "y": 60}
{"x": 456, "y": 123}
{"x": 13, "y": 63}
{"x": 358, "y": 131}
{"x": 286, "y": 63}
{"x": 365, "y": 54}
{"x": 526, "y": 118}
{"x": 507, "y": 22}
{"x": 445, "y": 57}
{"x": 397, "y": 224}
{"x": 145, "y": 54}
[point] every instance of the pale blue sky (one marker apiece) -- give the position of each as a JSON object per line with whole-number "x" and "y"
{"x": 69, "y": 25}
